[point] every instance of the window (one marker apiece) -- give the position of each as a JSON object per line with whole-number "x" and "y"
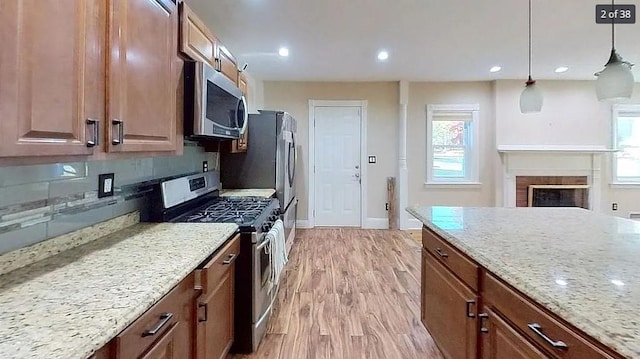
{"x": 452, "y": 144}
{"x": 626, "y": 139}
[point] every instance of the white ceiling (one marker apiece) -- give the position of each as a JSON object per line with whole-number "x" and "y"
{"x": 428, "y": 40}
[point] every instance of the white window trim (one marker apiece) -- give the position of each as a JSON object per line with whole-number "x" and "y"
{"x": 473, "y": 158}
{"x": 616, "y": 110}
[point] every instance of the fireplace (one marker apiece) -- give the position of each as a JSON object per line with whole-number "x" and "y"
{"x": 558, "y": 196}
{"x": 552, "y": 191}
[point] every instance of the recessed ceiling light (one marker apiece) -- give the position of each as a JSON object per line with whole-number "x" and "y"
{"x": 495, "y": 69}
{"x": 562, "y": 69}
{"x": 617, "y": 282}
{"x": 383, "y": 55}
{"x": 284, "y": 52}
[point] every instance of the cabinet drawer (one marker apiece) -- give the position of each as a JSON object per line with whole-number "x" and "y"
{"x": 208, "y": 277}
{"x": 535, "y": 323}
{"x": 457, "y": 262}
{"x": 154, "y": 323}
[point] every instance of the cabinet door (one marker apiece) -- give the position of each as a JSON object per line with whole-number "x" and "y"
{"x": 448, "y": 310}
{"x": 215, "y": 319}
{"x": 502, "y": 341}
{"x": 166, "y": 347}
{"x": 52, "y": 76}
{"x": 196, "y": 41}
{"x": 227, "y": 64}
{"x": 143, "y": 75}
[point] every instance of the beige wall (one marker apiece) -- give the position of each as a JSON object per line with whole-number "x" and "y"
{"x": 382, "y": 130}
{"x": 422, "y": 94}
{"x": 571, "y": 115}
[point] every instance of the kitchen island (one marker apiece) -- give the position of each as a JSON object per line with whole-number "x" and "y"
{"x": 576, "y": 269}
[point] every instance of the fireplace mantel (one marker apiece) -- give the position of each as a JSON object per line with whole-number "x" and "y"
{"x": 553, "y": 149}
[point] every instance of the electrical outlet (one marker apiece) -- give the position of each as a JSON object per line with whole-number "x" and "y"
{"x": 372, "y": 159}
{"x": 386, "y": 206}
{"x": 105, "y": 185}
{"x": 614, "y": 206}
{"x": 205, "y": 166}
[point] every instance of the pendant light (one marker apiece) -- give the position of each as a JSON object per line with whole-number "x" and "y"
{"x": 531, "y": 98}
{"x": 616, "y": 81}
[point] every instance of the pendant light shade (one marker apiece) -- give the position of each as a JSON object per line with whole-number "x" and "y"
{"x": 616, "y": 81}
{"x": 531, "y": 98}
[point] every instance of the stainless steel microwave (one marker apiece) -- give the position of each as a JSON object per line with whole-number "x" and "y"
{"x": 214, "y": 106}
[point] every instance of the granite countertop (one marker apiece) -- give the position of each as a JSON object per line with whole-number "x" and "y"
{"x": 71, "y": 304}
{"x": 252, "y": 192}
{"x": 581, "y": 265}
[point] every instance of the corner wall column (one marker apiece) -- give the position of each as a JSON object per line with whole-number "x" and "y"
{"x": 402, "y": 185}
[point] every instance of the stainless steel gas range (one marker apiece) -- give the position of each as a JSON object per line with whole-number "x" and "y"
{"x": 194, "y": 199}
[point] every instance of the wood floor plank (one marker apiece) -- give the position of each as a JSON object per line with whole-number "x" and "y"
{"x": 349, "y": 293}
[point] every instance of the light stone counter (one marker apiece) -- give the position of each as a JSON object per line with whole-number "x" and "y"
{"x": 264, "y": 193}
{"x": 71, "y": 304}
{"x": 578, "y": 264}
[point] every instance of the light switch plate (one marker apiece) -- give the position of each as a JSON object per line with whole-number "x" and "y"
{"x": 372, "y": 159}
{"x": 105, "y": 185}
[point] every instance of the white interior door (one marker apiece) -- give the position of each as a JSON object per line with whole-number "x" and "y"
{"x": 337, "y": 166}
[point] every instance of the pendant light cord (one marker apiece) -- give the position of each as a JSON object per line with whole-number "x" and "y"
{"x": 530, "y": 39}
{"x": 613, "y": 27}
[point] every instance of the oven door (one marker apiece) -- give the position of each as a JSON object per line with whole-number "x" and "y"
{"x": 221, "y": 107}
{"x": 264, "y": 288}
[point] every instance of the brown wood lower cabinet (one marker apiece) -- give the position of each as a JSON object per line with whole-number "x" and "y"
{"x": 194, "y": 320}
{"x": 216, "y": 304}
{"x": 510, "y": 326}
{"x": 449, "y": 310}
{"x": 163, "y": 331}
{"x": 501, "y": 341}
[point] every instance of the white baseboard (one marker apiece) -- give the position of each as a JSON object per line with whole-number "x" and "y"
{"x": 376, "y": 223}
{"x": 414, "y": 223}
{"x": 302, "y": 223}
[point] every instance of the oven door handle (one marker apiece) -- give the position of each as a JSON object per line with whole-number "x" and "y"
{"x": 264, "y": 243}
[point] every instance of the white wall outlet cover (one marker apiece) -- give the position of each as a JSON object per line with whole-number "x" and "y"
{"x": 372, "y": 159}
{"x": 108, "y": 184}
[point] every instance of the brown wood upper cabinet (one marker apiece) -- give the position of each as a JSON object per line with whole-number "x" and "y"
{"x": 227, "y": 63}
{"x": 143, "y": 78}
{"x": 52, "y": 71}
{"x": 196, "y": 40}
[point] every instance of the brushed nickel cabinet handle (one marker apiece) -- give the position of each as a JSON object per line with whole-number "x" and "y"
{"x": 164, "y": 319}
{"x": 232, "y": 257}
{"x": 483, "y": 328}
{"x": 95, "y": 140}
{"x": 470, "y": 303}
{"x": 537, "y": 328}
{"x": 120, "y": 126}
{"x": 441, "y": 253}
{"x": 206, "y": 312}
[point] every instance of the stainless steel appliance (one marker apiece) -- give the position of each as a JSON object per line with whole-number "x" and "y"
{"x": 214, "y": 106}
{"x": 195, "y": 199}
{"x": 270, "y": 162}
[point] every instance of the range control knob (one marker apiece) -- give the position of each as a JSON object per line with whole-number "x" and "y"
{"x": 273, "y": 218}
{"x": 265, "y": 227}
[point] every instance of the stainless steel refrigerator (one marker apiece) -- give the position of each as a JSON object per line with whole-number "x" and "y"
{"x": 270, "y": 162}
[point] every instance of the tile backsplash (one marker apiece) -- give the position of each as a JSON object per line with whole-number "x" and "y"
{"x": 38, "y": 202}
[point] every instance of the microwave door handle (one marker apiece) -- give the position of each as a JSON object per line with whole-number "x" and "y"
{"x": 245, "y": 114}
{"x": 224, "y": 127}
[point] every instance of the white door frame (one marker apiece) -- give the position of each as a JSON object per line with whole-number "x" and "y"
{"x": 363, "y": 155}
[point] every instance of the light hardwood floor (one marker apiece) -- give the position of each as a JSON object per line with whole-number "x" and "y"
{"x": 349, "y": 293}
